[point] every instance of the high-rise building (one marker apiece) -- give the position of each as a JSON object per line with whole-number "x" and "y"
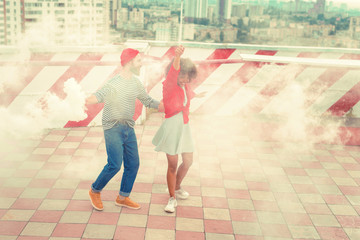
{"x": 224, "y": 10}
{"x": 354, "y": 28}
{"x": 166, "y": 31}
{"x": 319, "y": 8}
{"x": 239, "y": 10}
{"x": 195, "y": 9}
{"x": 55, "y": 23}
{"x": 115, "y": 5}
{"x": 11, "y": 22}
{"x": 273, "y": 3}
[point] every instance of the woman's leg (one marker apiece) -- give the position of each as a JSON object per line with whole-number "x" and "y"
{"x": 187, "y": 160}
{"x": 171, "y": 173}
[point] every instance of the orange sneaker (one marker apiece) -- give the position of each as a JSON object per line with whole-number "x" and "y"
{"x": 96, "y": 200}
{"x": 126, "y": 202}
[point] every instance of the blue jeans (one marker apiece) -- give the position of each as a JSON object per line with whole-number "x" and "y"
{"x": 121, "y": 145}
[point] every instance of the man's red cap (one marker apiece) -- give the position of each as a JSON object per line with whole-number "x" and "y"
{"x": 127, "y": 55}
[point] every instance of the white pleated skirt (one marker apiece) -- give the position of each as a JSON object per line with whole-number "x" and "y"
{"x": 174, "y": 137}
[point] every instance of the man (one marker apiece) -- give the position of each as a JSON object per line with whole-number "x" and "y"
{"x": 119, "y": 95}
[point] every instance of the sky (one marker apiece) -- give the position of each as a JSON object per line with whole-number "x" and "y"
{"x": 350, "y": 3}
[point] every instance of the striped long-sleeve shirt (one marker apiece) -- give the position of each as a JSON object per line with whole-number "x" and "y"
{"x": 119, "y": 95}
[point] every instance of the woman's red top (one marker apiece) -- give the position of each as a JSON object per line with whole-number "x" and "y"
{"x": 173, "y": 96}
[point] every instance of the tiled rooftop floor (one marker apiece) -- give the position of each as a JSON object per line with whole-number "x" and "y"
{"x": 242, "y": 187}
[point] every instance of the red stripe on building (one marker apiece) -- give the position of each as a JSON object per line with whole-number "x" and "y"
{"x": 41, "y": 57}
{"x": 346, "y": 102}
{"x": 12, "y": 91}
{"x": 92, "y": 110}
{"x": 322, "y": 83}
{"x": 280, "y": 81}
{"x": 273, "y": 88}
{"x": 309, "y": 54}
{"x": 205, "y": 70}
{"x": 230, "y": 87}
{"x": 91, "y": 57}
{"x": 350, "y": 56}
{"x": 351, "y": 97}
{"x": 76, "y": 72}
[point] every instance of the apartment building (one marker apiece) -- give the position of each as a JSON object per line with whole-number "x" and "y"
{"x": 62, "y": 22}
{"x": 195, "y": 9}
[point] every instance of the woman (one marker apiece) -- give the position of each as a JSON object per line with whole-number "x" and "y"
{"x": 174, "y": 135}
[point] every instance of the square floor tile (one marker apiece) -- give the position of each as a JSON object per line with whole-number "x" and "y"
{"x": 46, "y": 216}
{"x": 69, "y": 230}
{"x": 303, "y": 232}
{"x": 161, "y": 222}
{"x": 156, "y": 234}
{"x": 76, "y": 217}
{"x": 188, "y": 235}
{"x": 331, "y": 233}
{"x": 216, "y": 213}
{"x": 17, "y": 215}
{"x": 79, "y": 205}
{"x": 133, "y": 233}
{"x": 189, "y": 212}
{"x": 265, "y": 206}
{"x": 270, "y": 217}
{"x": 247, "y": 228}
{"x": 53, "y": 204}
{"x": 301, "y": 219}
{"x": 215, "y": 202}
{"x": 38, "y": 229}
{"x": 133, "y": 220}
{"x": 349, "y": 221}
{"x": 99, "y": 231}
{"x": 26, "y": 203}
{"x": 241, "y": 204}
{"x": 324, "y": 220}
{"x": 188, "y": 224}
{"x": 12, "y": 228}
{"x": 104, "y": 218}
{"x": 218, "y": 226}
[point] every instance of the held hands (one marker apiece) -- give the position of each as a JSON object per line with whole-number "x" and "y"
{"x": 200, "y": 95}
{"x": 161, "y": 106}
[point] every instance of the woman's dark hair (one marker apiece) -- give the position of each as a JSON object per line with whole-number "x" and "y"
{"x": 187, "y": 67}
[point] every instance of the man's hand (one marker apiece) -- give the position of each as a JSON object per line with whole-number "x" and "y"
{"x": 91, "y": 100}
{"x": 161, "y": 106}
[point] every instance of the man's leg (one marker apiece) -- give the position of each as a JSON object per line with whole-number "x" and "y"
{"x": 131, "y": 167}
{"x": 114, "y": 151}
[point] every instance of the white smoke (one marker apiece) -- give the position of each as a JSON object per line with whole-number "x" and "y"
{"x": 296, "y": 123}
{"x": 50, "y": 112}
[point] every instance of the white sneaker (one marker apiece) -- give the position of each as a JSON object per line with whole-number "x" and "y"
{"x": 172, "y": 204}
{"x": 182, "y": 194}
